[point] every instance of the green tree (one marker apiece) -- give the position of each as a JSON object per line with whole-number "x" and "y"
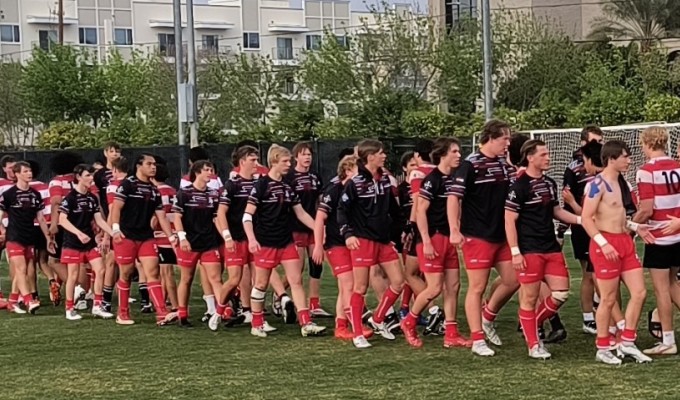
{"x": 15, "y": 127}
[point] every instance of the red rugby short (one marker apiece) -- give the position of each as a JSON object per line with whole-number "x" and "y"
{"x": 16, "y": 249}
{"x": 127, "y": 251}
{"x": 239, "y": 257}
{"x": 270, "y": 258}
{"x": 372, "y": 253}
{"x": 303, "y": 239}
{"x": 446, "y": 255}
{"x": 627, "y": 260}
{"x": 539, "y": 265}
{"x": 189, "y": 259}
{"x": 480, "y": 254}
{"x": 73, "y": 256}
{"x": 340, "y": 260}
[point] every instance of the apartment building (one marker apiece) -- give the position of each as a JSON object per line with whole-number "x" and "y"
{"x": 270, "y": 27}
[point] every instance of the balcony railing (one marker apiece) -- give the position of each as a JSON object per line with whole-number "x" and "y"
{"x": 286, "y": 53}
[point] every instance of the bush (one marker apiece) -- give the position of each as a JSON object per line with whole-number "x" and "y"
{"x": 662, "y": 107}
{"x": 64, "y": 135}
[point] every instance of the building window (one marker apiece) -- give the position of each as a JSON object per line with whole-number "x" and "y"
{"x": 288, "y": 85}
{"x": 251, "y": 40}
{"x": 87, "y": 35}
{"x": 284, "y": 48}
{"x": 314, "y": 42}
{"x": 211, "y": 43}
{"x": 457, "y": 10}
{"x": 166, "y": 43}
{"x": 47, "y": 39}
{"x": 9, "y": 34}
{"x": 343, "y": 41}
{"x": 122, "y": 37}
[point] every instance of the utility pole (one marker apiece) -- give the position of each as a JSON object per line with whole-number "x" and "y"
{"x": 60, "y": 17}
{"x": 488, "y": 59}
{"x": 181, "y": 87}
{"x": 191, "y": 82}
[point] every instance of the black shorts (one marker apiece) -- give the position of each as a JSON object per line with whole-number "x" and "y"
{"x": 580, "y": 242}
{"x": 661, "y": 256}
{"x": 58, "y": 241}
{"x": 40, "y": 243}
{"x": 166, "y": 255}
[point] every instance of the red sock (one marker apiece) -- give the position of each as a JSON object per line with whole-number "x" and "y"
{"x": 477, "y": 336}
{"x": 183, "y": 312}
{"x": 340, "y": 323}
{"x": 123, "y": 297}
{"x": 629, "y": 335}
{"x": 13, "y": 298}
{"x": 411, "y": 319}
{"x": 156, "y": 294}
{"x": 98, "y": 300}
{"x": 602, "y": 343}
{"x": 303, "y": 317}
{"x": 406, "y": 295}
{"x": 451, "y": 329}
{"x": 527, "y": 318}
{"x": 228, "y": 312}
{"x": 357, "y": 309}
{"x": 69, "y": 305}
{"x": 546, "y": 310}
{"x": 388, "y": 299}
{"x": 220, "y": 308}
{"x": 258, "y": 319}
{"x": 488, "y": 314}
{"x": 27, "y": 299}
{"x": 314, "y": 303}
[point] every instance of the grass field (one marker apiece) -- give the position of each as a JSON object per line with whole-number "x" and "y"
{"x": 48, "y": 357}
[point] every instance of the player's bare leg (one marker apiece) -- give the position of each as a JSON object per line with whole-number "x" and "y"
{"x": 186, "y": 279}
{"x": 395, "y": 276}
{"x": 152, "y": 273}
{"x": 498, "y": 299}
{"x": 98, "y": 288}
{"x": 71, "y": 282}
{"x": 293, "y": 270}
{"x": 587, "y": 291}
{"x": 169, "y": 284}
{"x": 109, "y": 279}
{"x": 261, "y": 280}
{"x": 477, "y": 281}
{"x": 452, "y": 336}
{"x": 208, "y": 294}
{"x": 360, "y": 278}
{"x": 226, "y": 290}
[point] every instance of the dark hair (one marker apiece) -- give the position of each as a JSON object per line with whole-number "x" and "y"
{"x": 198, "y": 153}
{"x": 141, "y": 157}
{"x": 529, "y": 148}
{"x": 515, "y": 147}
{"x": 197, "y": 167}
{"x": 347, "y": 151}
{"x": 247, "y": 142}
{"x": 79, "y": 169}
{"x": 121, "y": 164}
{"x": 112, "y": 145}
{"x": 406, "y": 158}
{"x": 612, "y": 150}
{"x": 160, "y": 160}
{"x": 593, "y": 151}
{"x": 493, "y": 129}
{"x": 300, "y": 147}
{"x": 441, "y": 147}
{"x": 6, "y": 159}
{"x": 162, "y": 173}
{"x": 20, "y": 164}
{"x": 368, "y": 147}
{"x": 35, "y": 167}
{"x": 64, "y": 162}
{"x": 243, "y": 152}
{"x": 590, "y": 129}
{"x": 424, "y": 148}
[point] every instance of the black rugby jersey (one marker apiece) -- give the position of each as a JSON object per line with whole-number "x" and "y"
{"x": 274, "y": 201}
{"x": 329, "y": 205}
{"x": 79, "y": 210}
{"x": 141, "y": 201}
{"x": 482, "y": 184}
{"x": 102, "y": 179}
{"x": 307, "y": 186}
{"x": 534, "y": 200}
{"x": 21, "y": 207}
{"x": 235, "y": 196}
{"x": 436, "y": 188}
{"x": 198, "y": 209}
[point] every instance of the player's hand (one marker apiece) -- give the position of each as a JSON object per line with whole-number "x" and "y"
{"x": 568, "y": 197}
{"x": 51, "y": 245}
{"x": 253, "y": 246}
{"x": 428, "y": 251}
{"x": 645, "y": 234}
{"x": 352, "y": 243}
{"x": 229, "y": 245}
{"x": 518, "y": 262}
{"x": 561, "y": 242}
{"x": 54, "y": 228}
{"x": 672, "y": 227}
{"x": 105, "y": 245}
{"x": 610, "y": 252}
{"x": 83, "y": 238}
{"x": 185, "y": 246}
{"x": 174, "y": 241}
{"x": 118, "y": 237}
{"x": 456, "y": 238}
{"x": 317, "y": 254}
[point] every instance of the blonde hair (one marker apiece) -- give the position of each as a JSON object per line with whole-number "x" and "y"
{"x": 346, "y": 164}
{"x": 655, "y": 137}
{"x": 275, "y": 153}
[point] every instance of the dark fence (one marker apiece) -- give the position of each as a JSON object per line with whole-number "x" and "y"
{"x": 325, "y": 156}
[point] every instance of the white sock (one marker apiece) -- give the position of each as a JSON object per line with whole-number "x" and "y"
{"x": 390, "y": 311}
{"x": 669, "y": 338}
{"x": 210, "y": 303}
{"x": 588, "y": 316}
{"x": 596, "y": 298}
{"x": 621, "y": 325}
{"x": 612, "y": 330}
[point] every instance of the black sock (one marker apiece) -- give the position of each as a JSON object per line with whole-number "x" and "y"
{"x": 556, "y": 322}
{"x": 35, "y": 295}
{"x": 108, "y": 295}
{"x": 246, "y": 309}
{"x": 144, "y": 294}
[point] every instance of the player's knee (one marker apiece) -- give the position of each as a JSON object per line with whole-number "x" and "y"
{"x": 315, "y": 269}
{"x": 257, "y": 295}
{"x": 639, "y": 293}
{"x": 433, "y": 292}
{"x": 560, "y": 295}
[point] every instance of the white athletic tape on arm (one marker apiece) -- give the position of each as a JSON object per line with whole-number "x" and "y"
{"x": 226, "y": 235}
{"x": 632, "y": 226}
{"x": 515, "y": 251}
{"x": 578, "y": 220}
{"x": 600, "y": 240}
{"x": 115, "y": 228}
{"x": 182, "y": 235}
{"x": 247, "y": 218}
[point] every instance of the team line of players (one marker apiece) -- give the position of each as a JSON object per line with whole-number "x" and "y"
{"x": 500, "y": 214}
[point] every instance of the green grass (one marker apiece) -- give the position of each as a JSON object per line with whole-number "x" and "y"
{"x": 47, "y": 357}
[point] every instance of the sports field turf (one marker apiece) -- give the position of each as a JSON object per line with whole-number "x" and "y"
{"x": 48, "y": 357}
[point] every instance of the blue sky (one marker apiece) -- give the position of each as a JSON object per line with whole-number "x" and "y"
{"x": 357, "y": 5}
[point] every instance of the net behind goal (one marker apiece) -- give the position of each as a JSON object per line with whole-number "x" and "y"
{"x": 563, "y": 142}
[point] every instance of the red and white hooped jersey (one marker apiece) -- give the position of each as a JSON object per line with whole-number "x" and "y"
{"x": 659, "y": 180}
{"x": 260, "y": 170}
{"x": 417, "y": 175}
{"x": 168, "y": 196}
{"x": 44, "y": 191}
